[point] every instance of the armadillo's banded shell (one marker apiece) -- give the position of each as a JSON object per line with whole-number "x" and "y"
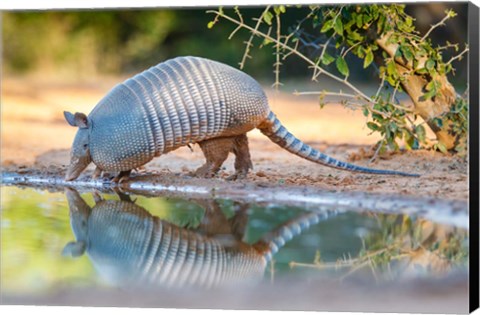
{"x": 128, "y": 245}
{"x": 180, "y": 101}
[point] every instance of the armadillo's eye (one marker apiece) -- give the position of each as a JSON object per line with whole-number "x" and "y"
{"x": 85, "y": 146}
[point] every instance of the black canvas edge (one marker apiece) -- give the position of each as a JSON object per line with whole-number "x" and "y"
{"x": 473, "y": 81}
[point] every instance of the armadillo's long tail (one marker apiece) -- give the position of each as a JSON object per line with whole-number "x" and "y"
{"x": 274, "y": 129}
{"x": 271, "y": 243}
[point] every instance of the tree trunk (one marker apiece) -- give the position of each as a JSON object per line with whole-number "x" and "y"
{"x": 414, "y": 86}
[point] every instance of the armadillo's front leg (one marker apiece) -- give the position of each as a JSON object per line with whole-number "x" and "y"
{"x": 216, "y": 152}
{"x": 243, "y": 163}
{"x": 98, "y": 171}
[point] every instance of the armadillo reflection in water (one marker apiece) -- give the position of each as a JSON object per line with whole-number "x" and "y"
{"x": 128, "y": 246}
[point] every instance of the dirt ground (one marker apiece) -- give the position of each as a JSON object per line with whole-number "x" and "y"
{"x": 36, "y": 139}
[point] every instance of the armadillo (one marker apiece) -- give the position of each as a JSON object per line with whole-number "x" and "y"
{"x": 178, "y": 102}
{"x": 131, "y": 248}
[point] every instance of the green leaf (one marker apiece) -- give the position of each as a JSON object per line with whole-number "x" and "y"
{"x": 365, "y": 111}
{"x": 391, "y": 80}
{"x": 338, "y": 27}
{"x": 380, "y": 23}
{"x": 415, "y": 145}
{"x": 348, "y": 26}
{"x": 211, "y": 24}
{"x": 366, "y": 20}
{"x": 428, "y": 95}
{"x": 409, "y": 21}
{"x": 266, "y": 42}
{"x": 450, "y": 13}
{"x": 430, "y": 64}
{"x": 267, "y": 17}
{"x": 279, "y": 9}
{"x": 393, "y": 127}
{"x": 440, "y": 146}
{"x": 359, "y": 20}
{"x": 368, "y": 59}
{"x": 342, "y": 66}
{"x": 327, "y": 59}
{"x": 430, "y": 85}
{"x": 398, "y": 53}
{"x": 420, "y": 131}
{"x": 421, "y": 71}
{"x": 438, "y": 122}
{"x": 359, "y": 51}
{"x": 327, "y": 26}
{"x": 373, "y": 126}
{"x": 409, "y": 140}
{"x": 355, "y": 36}
{"x": 407, "y": 52}
{"x": 391, "y": 69}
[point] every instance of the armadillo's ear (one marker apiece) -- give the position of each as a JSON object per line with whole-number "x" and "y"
{"x": 79, "y": 120}
{"x": 70, "y": 118}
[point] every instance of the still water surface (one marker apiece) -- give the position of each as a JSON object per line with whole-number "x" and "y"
{"x": 53, "y": 243}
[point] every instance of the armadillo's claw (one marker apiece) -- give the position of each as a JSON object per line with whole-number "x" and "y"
{"x": 122, "y": 194}
{"x": 122, "y": 177}
{"x": 205, "y": 171}
{"x": 97, "y": 173}
{"x": 237, "y": 176}
{"x": 140, "y": 170}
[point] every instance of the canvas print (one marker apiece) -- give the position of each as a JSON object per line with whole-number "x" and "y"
{"x": 279, "y": 157}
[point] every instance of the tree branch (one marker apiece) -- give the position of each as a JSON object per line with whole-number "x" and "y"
{"x": 277, "y": 55}
{"x": 256, "y": 32}
{"x": 459, "y": 56}
{"x": 441, "y": 23}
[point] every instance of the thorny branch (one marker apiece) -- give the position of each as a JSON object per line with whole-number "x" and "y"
{"x": 441, "y": 23}
{"x": 297, "y": 28}
{"x": 256, "y": 32}
{"x": 356, "y": 97}
{"x": 238, "y": 27}
{"x": 316, "y": 72}
{"x": 241, "y": 24}
{"x": 459, "y": 56}
{"x": 277, "y": 63}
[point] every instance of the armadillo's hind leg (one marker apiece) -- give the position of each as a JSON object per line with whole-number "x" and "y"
{"x": 243, "y": 162}
{"x": 239, "y": 221}
{"x": 216, "y": 152}
{"x": 122, "y": 176}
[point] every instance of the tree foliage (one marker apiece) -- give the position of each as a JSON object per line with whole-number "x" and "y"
{"x": 381, "y": 36}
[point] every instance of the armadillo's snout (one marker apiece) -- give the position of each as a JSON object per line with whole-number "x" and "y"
{"x": 76, "y": 167}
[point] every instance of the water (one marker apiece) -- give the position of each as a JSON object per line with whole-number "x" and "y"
{"x": 88, "y": 248}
